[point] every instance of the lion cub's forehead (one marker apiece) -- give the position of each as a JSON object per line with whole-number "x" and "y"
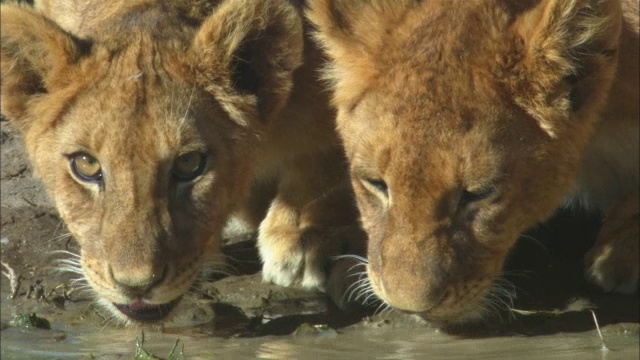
{"x": 447, "y": 54}
{"x": 385, "y": 133}
{"x": 131, "y": 104}
{"x": 426, "y": 107}
{"x": 477, "y": 27}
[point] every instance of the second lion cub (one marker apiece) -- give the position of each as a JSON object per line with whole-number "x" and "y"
{"x": 468, "y": 122}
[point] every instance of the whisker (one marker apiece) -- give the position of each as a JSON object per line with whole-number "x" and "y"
{"x": 66, "y": 252}
{"x": 355, "y": 266}
{"x": 217, "y": 265}
{"x": 386, "y": 310}
{"x": 360, "y": 288}
{"x": 71, "y": 270}
{"x": 381, "y": 308}
{"x": 535, "y": 241}
{"x": 60, "y": 236}
{"x": 55, "y": 231}
{"x": 356, "y": 289}
{"x": 67, "y": 261}
{"x": 371, "y": 299}
{"x": 500, "y": 298}
{"x": 362, "y": 260}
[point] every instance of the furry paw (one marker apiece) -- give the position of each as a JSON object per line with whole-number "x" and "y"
{"x": 613, "y": 269}
{"x": 614, "y": 261}
{"x": 288, "y": 262}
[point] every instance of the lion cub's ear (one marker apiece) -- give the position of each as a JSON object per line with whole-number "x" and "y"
{"x": 350, "y": 33}
{"x": 34, "y": 53}
{"x": 570, "y": 53}
{"x": 246, "y": 52}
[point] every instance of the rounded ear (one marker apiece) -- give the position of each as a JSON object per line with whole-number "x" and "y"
{"x": 246, "y": 52}
{"x": 34, "y": 52}
{"x": 570, "y": 58}
{"x": 345, "y": 23}
{"x": 350, "y": 32}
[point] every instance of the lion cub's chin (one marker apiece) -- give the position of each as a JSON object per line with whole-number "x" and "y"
{"x": 142, "y": 312}
{"x": 447, "y": 318}
{"x": 448, "y": 305}
{"x": 135, "y": 296}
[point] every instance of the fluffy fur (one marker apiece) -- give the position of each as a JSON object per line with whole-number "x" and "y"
{"x": 467, "y": 122}
{"x": 137, "y": 84}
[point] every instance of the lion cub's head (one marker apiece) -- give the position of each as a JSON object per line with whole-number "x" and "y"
{"x": 464, "y": 123}
{"x": 144, "y": 131}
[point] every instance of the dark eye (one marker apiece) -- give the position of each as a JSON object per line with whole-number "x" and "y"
{"x": 189, "y": 166}
{"x": 471, "y": 196}
{"x": 377, "y": 185}
{"x": 85, "y": 167}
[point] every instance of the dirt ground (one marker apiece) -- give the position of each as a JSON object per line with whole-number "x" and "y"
{"x": 545, "y": 268}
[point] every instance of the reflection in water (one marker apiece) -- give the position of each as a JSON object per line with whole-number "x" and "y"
{"x": 400, "y": 343}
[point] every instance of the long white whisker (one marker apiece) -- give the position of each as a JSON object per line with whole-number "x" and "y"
{"x": 356, "y": 266}
{"x": 66, "y": 252}
{"x": 361, "y": 260}
{"x": 359, "y": 287}
{"x": 380, "y": 309}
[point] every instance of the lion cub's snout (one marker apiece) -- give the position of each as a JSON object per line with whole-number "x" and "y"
{"x": 441, "y": 284}
{"x": 137, "y": 263}
{"x": 137, "y": 281}
{"x": 138, "y": 277}
{"x": 138, "y": 284}
{"x": 416, "y": 290}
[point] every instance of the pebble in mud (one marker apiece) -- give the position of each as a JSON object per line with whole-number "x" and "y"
{"x": 30, "y": 321}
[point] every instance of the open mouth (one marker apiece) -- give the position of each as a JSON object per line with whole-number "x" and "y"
{"x": 143, "y": 312}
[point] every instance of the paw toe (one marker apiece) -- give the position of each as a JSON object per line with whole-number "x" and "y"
{"x": 283, "y": 273}
{"x": 612, "y": 275}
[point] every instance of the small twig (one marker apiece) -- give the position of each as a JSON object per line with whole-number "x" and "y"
{"x": 14, "y": 280}
{"x": 173, "y": 354}
{"x": 62, "y": 286}
{"x": 29, "y": 202}
{"x": 603, "y": 345}
{"x": 100, "y": 315}
{"x": 66, "y": 293}
{"x": 36, "y": 291}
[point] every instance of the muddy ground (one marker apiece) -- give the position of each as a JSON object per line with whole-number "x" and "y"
{"x": 545, "y": 269}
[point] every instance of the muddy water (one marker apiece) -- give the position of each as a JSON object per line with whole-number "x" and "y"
{"x": 403, "y": 343}
{"x": 375, "y": 338}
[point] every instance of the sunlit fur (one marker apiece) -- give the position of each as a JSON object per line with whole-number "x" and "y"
{"x": 467, "y": 122}
{"x": 135, "y": 85}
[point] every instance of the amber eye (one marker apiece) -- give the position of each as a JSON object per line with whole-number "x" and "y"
{"x": 86, "y": 167}
{"x": 376, "y": 186}
{"x": 189, "y": 166}
{"x": 379, "y": 185}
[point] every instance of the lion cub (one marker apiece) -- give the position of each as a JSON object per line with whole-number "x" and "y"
{"x": 149, "y": 123}
{"x": 467, "y": 122}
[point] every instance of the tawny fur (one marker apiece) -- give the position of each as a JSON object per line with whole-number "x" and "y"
{"x": 135, "y": 84}
{"x": 467, "y": 122}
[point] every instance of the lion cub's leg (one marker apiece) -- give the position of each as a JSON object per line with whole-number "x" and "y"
{"x": 614, "y": 261}
{"x": 312, "y": 218}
